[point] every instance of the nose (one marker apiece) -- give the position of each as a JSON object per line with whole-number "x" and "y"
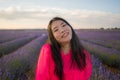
{"x": 62, "y": 30}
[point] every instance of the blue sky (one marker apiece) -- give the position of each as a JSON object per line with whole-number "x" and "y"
{"x": 36, "y": 14}
{"x": 104, "y": 5}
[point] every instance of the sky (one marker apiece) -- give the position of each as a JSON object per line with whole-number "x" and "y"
{"x": 81, "y": 14}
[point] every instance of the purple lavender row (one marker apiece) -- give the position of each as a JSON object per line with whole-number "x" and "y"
{"x": 8, "y": 47}
{"x": 97, "y": 52}
{"x": 100, "y": 72}
{"x": 107, "y": 56}
{"x": 8, "y": 35}
{"x": 17, "y": 63}
{"x": 113, "y": 44}
{"x": 109, "y": 39}
{"x": 100, "y": 49}
{"x": 106, "y": 35}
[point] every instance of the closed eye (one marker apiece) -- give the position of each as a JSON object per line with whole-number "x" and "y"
{"x": 64, "y": 25}
{"x": 55, "y": 30}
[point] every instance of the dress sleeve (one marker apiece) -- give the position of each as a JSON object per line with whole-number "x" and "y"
{"x": 42, "y": 68}
{"x": 88, "y": 69}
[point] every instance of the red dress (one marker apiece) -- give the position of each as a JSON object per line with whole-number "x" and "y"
{"x": 45, "y": 66}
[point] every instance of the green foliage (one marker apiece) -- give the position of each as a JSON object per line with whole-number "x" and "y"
{"x": 112, "y": 60}
{"x": 15, "y": 68}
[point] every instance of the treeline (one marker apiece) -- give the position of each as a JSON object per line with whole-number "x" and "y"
{"x": 115, "y": 28}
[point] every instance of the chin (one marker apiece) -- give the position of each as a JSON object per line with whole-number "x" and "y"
{"x": 65, "y": 41}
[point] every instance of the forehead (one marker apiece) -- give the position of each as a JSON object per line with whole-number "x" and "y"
{"x": 57, "y": 23}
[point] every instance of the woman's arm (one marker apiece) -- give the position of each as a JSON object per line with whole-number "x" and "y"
{"x": 42, "y": 68}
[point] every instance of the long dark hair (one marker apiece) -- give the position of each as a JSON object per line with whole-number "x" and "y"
{"x": 78, "y": 55}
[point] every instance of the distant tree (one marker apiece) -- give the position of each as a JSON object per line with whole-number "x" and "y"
{"x": 116, "y": 28}
{"x": 102, "y": 28}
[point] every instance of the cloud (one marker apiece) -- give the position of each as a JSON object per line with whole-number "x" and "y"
{"x": 77, "y": 16}
{"x": 19, "y": 13}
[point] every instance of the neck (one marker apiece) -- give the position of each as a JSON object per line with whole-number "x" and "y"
{"x": 65, "y": 47}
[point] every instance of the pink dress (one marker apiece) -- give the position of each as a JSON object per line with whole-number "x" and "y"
{"x": 45, "y": 66}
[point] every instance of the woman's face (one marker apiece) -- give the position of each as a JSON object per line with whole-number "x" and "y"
{"x": 61, "y": 31}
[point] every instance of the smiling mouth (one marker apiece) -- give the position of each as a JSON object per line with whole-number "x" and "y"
{"x": 65, "y": 34}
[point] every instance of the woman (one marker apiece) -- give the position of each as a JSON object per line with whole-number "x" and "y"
{"x": 63, "y": 58}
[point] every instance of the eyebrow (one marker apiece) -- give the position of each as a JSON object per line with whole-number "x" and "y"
{"x": 56, "y": 26}
{"x": 62, "y": 23}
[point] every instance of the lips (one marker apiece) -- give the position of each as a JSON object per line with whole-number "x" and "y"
{"x": 65, "y": 34}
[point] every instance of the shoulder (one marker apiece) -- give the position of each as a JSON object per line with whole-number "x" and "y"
{"x": 46, "y": 46}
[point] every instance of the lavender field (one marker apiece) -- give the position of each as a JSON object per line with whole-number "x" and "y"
{"x": 104, "y": 46}
{"x": 19, "y": 50}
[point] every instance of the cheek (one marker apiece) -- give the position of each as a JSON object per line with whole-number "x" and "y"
{"x": 70, "y": 33}
{"x": 57, "y": 37}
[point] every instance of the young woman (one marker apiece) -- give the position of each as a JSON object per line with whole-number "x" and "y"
{"x": 63, "y": 58}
